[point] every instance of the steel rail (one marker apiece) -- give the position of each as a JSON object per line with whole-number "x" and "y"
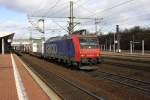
{"x": 125, "y": 80}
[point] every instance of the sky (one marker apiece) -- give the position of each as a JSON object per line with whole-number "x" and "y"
{"x": 126, "y": 13}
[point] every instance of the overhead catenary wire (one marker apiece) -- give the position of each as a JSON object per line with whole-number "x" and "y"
{"x": 107, "y": 9}
{"x": 52, "y": 7}
{"x": 37, "y": 11}
{"x": 104, "y": 10}
{"x": 93, "y": 12}
{"x": 61, "y": 26}
{"x": 63, "y": 7}
{"x": 130, "y": 18}
{"x": 110, "y": 8}
{"x": 62, "y": 11}
{"x": 76, "y": 5}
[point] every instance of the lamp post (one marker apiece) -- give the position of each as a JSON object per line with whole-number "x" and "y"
{"x": 142, "y": 47}
{"x": 114, "y": 42}
{"x": 42, "y": 30}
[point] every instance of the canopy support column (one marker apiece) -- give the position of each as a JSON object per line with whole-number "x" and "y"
{"x": 3, "y": 46}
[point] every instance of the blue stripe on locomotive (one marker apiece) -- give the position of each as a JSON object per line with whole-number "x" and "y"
{"x": 65, "y": 47}
{"x": 70, "y": 48}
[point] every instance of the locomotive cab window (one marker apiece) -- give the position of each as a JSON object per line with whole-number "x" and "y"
{"x": 88, "y": 42}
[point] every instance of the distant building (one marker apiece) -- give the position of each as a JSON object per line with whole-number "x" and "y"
{"x": 30, "y": 45}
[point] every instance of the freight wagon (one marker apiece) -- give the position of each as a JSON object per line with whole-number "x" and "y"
{"x": 36, "y": 47}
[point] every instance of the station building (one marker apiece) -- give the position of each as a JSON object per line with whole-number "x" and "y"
{"x": 5, "y": 42}
{"x": 27, "y": 45}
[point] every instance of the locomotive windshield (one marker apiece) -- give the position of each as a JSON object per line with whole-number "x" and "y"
{"x": 88, "y": 42}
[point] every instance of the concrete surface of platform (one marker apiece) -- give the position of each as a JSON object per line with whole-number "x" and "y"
{"x": 16, "y": 83}
{"x": 7, "y": 82}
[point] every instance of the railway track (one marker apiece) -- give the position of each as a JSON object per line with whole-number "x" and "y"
{"x": 136, "y": 55}
{"x": 124, "y": 80}
{"x": 130, "y": 59}
{"x": 128, "y": 64}
{"x": 63, "y": 87}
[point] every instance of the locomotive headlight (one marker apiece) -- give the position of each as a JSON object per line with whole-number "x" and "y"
{"x": 82, "y": 55}
{"x": 89, "y": 47}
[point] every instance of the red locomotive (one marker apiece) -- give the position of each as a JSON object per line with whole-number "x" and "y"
{"x": 76, "y": 49}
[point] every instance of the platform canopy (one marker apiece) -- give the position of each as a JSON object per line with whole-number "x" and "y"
{"x": 5, "y": 41}
{"x": 4, "y": 34}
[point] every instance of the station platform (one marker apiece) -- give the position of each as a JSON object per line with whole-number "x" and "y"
{"x": 17, "y": 83}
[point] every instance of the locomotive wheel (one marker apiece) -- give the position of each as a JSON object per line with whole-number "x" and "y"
{"x": 99, "y": 61}
{"x": 78, "y": 65}
{"x": 68, "y": 64}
